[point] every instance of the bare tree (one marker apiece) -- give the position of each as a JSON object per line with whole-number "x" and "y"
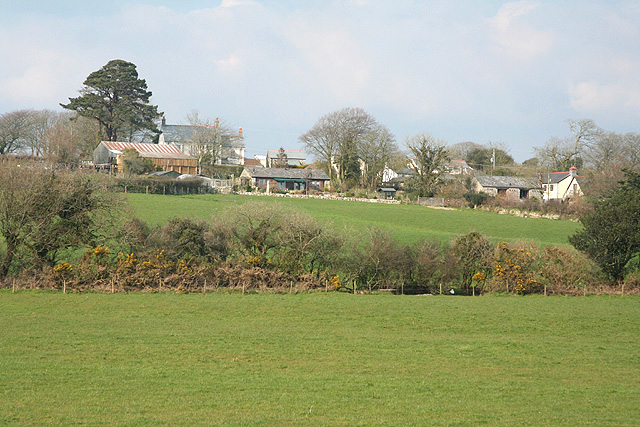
{"x": 605, "y": 152}
{"x": 584, "y": 132}
{"x": 208, "y": 140}
{"x": 14, "y": 127}
{"x": 337, "y": 139}
{"x": 607, "y": 157}
{"x": 462, "y": 150}
{"x": 430, "y": 156}
{"x": 557, "y": 154}
{"x": 631, "y": 150}
{"x": 560, "y": 154}
{"x": 40, "y": 122}
{"x": 377, "y": 149}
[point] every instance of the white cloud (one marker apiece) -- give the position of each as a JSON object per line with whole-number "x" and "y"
{"x": 234, "y": 3}
{"x": 593, "y": 97}
{"x": 514, "y": 36}
{"x": 229, "y": 64}
{"x": 332, "y": 58}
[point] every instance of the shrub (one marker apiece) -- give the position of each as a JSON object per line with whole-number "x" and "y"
{"x": 254, "y": 230}
{"x": 381, "y": 263}
{"x": 515, "y": 268}
{"x": 472, "y": 252}
{"x": 564, "y": 268}
{"x": 306, "y": 245}
{"x": 188, "y": 239}
{"x": 429, "y": 265}
{"x": 475, "y": 199}
{"x": 44, "y": 214}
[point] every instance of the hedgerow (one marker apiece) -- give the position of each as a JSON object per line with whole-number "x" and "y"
{"x": 258, "y": 247}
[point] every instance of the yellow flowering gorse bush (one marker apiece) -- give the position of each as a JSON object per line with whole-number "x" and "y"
{"x": 515, "y": 268}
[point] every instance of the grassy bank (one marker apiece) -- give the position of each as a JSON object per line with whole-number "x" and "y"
{"x": 317, "y": 359}
{"x": 409, "y": 223}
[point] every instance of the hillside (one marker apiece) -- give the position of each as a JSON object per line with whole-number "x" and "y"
{"x": 409, "y": 223}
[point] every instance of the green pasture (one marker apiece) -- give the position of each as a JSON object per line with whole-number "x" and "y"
{"x": 409, "y": 223}
{"x": 317, "y": 359}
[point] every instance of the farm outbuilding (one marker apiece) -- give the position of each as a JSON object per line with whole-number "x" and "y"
{"x": 510, "y": 187}
{"x": 387, "y": 193}
{"x": 285, "y": 179}
{"x": 164, "y": 157}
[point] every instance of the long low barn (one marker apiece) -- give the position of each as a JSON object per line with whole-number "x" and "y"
{"x": 511, "y": 187}
{"x": 165, "y": 157}
{"x": 285, "y": 179}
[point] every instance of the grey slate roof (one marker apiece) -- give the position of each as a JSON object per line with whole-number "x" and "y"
{"x": 286, "y": 173}
{"x": 291, "y": 154}
{"x": 507, "y": 182}
{"x": 556, "y": 177}
{"x": 184, "y": 134}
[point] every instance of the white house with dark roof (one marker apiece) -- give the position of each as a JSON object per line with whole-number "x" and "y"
{"x": 182, "y": 137}
{"x": 561, "y": 185}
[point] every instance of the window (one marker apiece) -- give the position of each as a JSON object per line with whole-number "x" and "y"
{"x": 550, "y": 187}
{"x": 575, "y": 188}
{"x": 544, "y": 187}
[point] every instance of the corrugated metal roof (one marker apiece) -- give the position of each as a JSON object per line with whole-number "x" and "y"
{"x": 156, "y": 151}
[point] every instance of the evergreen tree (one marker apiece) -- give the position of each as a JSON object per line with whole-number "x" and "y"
{"x": 611, "y": 233}
{"x": 118, "y": 100}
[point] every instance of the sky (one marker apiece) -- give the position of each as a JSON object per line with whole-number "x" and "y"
{"x": 491, "y": 72}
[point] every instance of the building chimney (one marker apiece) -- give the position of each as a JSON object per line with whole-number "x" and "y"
{"x": 240, "y": 133}
{"x": 217, "y": 123}
{"x": 573, "y": 171}
{"x": 164, "y": 121}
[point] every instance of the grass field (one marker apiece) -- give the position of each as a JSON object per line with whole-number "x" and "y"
{"x": 317, "y": 359}
{"x": 409, "y": 223}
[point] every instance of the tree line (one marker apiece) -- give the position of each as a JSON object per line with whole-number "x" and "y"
{"x": 351, "y": 145}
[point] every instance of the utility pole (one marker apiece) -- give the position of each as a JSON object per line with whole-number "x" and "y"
{"x": 493, "y": 161}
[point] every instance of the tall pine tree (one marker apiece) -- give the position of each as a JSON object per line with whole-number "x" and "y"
{"x": 118, "y": 100}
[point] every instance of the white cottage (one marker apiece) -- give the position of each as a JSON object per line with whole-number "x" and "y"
{"x": 561, "y": 185}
